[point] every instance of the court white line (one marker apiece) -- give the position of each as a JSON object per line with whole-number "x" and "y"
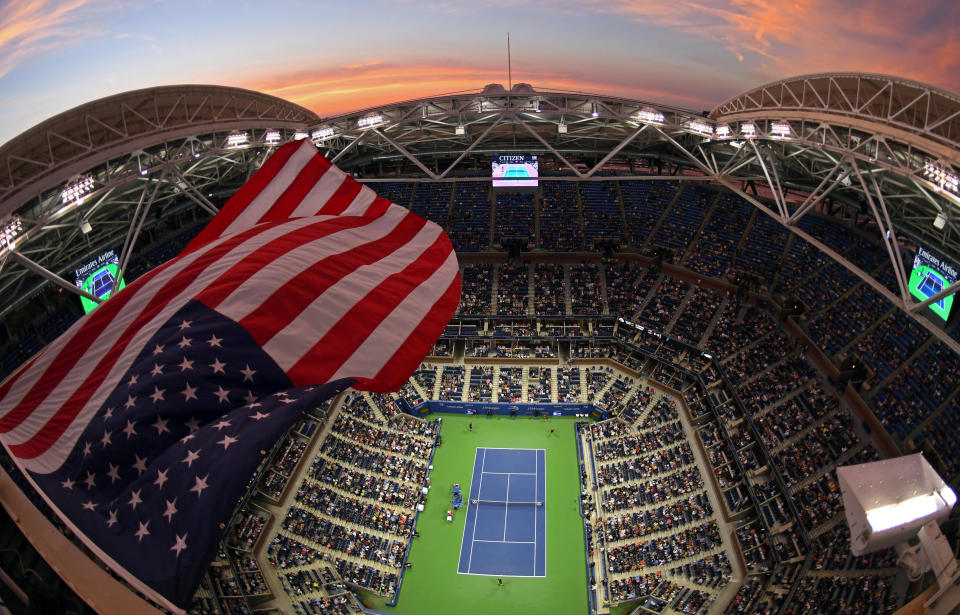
{"x": 476, "y": 516}
{"x": 509, "y": 473}
{"x": 508, "y": 542}
{"x": 544, "y": 500}
{"x": 506, "y": 508}
{"x": 536, "y": 496}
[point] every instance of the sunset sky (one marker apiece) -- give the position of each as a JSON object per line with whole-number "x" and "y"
{"x": 334, "y": 57}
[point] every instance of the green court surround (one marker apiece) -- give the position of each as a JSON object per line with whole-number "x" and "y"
{"x": 433, "y": 587}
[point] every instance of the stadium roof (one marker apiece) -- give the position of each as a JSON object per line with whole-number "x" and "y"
{"x": 883, "y": 152}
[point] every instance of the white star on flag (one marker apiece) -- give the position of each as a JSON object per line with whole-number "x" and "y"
{"x": 217, "y": 366}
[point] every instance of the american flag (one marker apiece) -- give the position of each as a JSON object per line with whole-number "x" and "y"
{"x": 142, "y": 424}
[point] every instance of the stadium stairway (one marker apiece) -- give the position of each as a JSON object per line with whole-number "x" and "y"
{"x": 663, "y": 216}
{"x": 713, "y": 321}
{"x": 680, "y": 309}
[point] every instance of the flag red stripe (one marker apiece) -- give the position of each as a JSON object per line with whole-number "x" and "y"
{"x": 342, "y": 198}
{"x": 244, "y": 196}
{"x": 273, "y": 315}
{"x": 408, "y": 356}
{"x": 68, "y": 411}
{"x": 378, "y": 207}
{"x": 344, "y": 337}
{"x": 301, "y": 186}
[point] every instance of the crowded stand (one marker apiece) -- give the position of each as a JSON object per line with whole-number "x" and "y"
{"x": 769, "y": 424}
{"x": 549, "y": 298}
{"x": 585, "y": 294}
{"x": 513, "y": 290}
{"x": 469, "y": 223}
{"x": 514, "y": 216}
{"x": 475, "y": 284}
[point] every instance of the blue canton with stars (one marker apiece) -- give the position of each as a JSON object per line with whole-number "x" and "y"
{"x": 164, "y": 462}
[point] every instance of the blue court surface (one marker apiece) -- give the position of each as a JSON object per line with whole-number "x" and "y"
{"x": 931, "y": 285}
{"x": 505, "y": 534}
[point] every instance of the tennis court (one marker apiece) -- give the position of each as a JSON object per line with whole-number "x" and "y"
{"x": 930, "y": 285}
{"x": 505, "y": 530}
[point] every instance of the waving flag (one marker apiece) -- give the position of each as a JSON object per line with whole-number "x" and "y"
{"x": 142, "y": 424}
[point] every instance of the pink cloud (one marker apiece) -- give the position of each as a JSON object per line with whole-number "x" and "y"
{"x": 29, "y": 28}
{"x": 917, "y": 39}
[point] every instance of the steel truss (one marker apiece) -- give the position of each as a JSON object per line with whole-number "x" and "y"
{"x": 141, "y": 156}
{"x": 863, "y": 142}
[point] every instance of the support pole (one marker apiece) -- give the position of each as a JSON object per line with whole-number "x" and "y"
{"x": 51, "y": 276}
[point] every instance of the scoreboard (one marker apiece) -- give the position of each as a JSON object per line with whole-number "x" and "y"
{"x": 515, "y": 171}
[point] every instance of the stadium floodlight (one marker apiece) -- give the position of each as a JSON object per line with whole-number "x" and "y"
{"x": 780, "y": 129}
{"x": 370, "y": 121}
{"x": 460, "y": 129}
{"x": 299, "y": 135}
{"x": 238, "y": 139}
{"x": 887, "y": 501}
{"x": 85, "y": 227}
{"x": 594, "y": 112}
{"x": 77, "y": 190}
{"x": 562, "y": 128}
{"x": 272, "y": 137}
{"x": 747, "y": 129}
{"x": 701, "y": 128}
{"x": 10, "y": 232}
{"x": 322, "y": 134}
{"x": 723, "y": 131}
{"x": 649, "y": 115}
{"x": 894, "y": 501}
{"x": 941, "y": 177}
{"x": 940, "y": 221}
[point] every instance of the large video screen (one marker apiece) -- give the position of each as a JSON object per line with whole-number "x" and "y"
{"x": 930, "y": 275}
{"x": 515, "y": 171}
{"x": 99, "y": 278}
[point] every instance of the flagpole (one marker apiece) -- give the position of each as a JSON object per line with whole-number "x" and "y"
{"x": 509, "y": 69}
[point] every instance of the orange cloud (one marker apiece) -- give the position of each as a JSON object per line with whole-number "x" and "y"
{"x": 917, "y": 39}
{"x": 336, "y": 90}
{"x": 32, "y": 27}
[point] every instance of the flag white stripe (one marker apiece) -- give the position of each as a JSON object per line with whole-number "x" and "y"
{"x": 273, "y": 190}
{"x": 89, "y": 358}
{"x": 56, "y": 454}
{"x": 241, "y": 303}
{"x": 290, "y": 344}
{"x": 326, "y": 187}
{"x": 361, "y": 202}
{"x": 370, "y": 357}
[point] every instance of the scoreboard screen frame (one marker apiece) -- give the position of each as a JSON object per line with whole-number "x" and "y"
{"x": 515, "y": 171}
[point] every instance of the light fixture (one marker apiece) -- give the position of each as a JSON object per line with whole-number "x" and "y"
{"x": 780, "y": 129}
{"x": 700, "y": 127}
{"x": 76, "y": 191}
{"x": 272, "y": 137}
{"x": 370, "y": 121}
{"x": 595, "y": 113}
{"x": 747, "y": 129}
{"x": 562, "y": 128}
{"x": 300, "y": 135}
{"x": 941, "y": 177}
{"x": 10, "y": 232}
{"x": 85, "y": 227}
{"x": 650, "y": 115}
{"x": 238, "y": 139}
{"x": 460, "y": 129}
{"x": 322, "y": 134}
{"x": 940, "y": 221}
{"x": 887, "y": 501}
{"x": 144, "y": 171}
{"x": 722, "y": 131}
